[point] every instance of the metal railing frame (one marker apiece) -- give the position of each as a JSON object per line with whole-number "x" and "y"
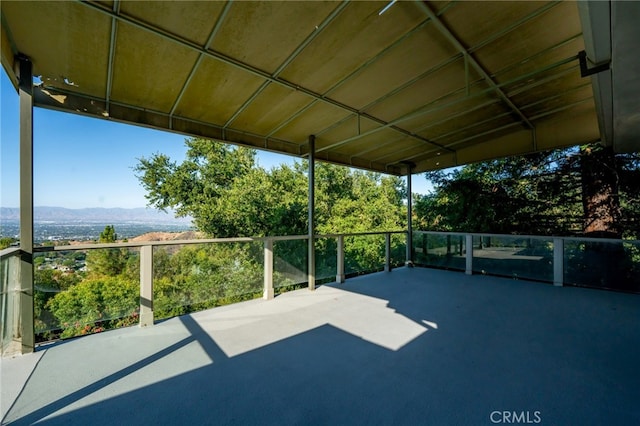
{"x": 10, "y": 299}
{"x": 558, "y": 247}
{"x": 146, "y": 260}
{"x": 146, "y": 317}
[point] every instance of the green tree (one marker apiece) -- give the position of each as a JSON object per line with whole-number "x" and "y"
{"x": 95, "y": 304}
{"x": 107, "y": 262}
{"x": 6, "y": 242}
{"x": 197, "y": 185}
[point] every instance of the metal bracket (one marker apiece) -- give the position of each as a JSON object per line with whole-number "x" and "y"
{"x": 585, "y": 71}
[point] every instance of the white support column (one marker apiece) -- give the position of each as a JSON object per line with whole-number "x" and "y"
{"x": 558, "y": 262}
{"x": 469, "y": 254}
{"x": 311, "y": 272}
{"x": 25, "y": 89}
{"x": 146, "y": 286}
{"x": 387, "y": 252}
{"x": 268, "y": 269}
{"x": 340, "y": 260}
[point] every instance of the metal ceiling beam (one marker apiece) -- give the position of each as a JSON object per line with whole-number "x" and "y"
{"x": 420, "y": 26}
{"x": 459, "y": 55}
{"x": 428, "y": 108}
{"x": 540, "y": 115}
{"x": 483, "y": 73}
{"x": 558, "y": 95}
{"x": 550, "y": 98}
{"x": 513, "y": 26}
{"x": 214, "y": 32}
{"x": 536, "y": 55}
{"x": 112, "y": 51}
{"x": 231, "y": 61}
{"x": 562, "y": 108}
{"x": 478, "y": 46}
{"x": 435, "y": 123}
{"x": 357, "y": 71}
{"x": 362, "y": 68}
{"x": 290, "y": 59}
{"x": 507, "y": 126}
{"x": 455, "y": 58}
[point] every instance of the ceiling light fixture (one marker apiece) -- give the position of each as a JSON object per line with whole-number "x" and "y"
{"x": 387, "y": 7}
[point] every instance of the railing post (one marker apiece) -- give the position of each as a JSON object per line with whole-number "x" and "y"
{"x": 146, "y": 286}
{"x": 311, "y": 255}
{"x": 340, "y": 260}
{"x": 268, "y": 269}
{"x": 387, "y": 252}
{"x": 558, "y": 262}
{"x": 469, "y": 254}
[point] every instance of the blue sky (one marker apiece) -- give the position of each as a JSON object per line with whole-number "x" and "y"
{"x": 87, "y": 162}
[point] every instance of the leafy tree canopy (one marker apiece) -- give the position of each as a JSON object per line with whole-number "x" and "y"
{"x": 228, "y": 195}
{"x": 557, "y": 192}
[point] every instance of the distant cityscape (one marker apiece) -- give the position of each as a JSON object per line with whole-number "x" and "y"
{"x": 56, "y": 223}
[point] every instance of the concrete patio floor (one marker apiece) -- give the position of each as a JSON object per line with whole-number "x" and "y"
{"x": 414, "y": 346}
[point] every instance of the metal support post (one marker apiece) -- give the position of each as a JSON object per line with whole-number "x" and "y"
{"x": 25, "y": 89}
{"x": 340, "y": 260}
{"x": 558, "y": 262}
{"x": 312, "y": 181}
{"x": 387, "y": 252}
{"x": 409, "y": 261}
{"x": 268, "y": 269}
{"x": 469, "y": 255}
{"x": 146, "y": 286}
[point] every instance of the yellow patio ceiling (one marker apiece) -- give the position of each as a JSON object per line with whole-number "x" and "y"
{"x": 435, "y": 84}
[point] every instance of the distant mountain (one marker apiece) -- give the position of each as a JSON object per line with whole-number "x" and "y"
{"x": 106, "y": 215}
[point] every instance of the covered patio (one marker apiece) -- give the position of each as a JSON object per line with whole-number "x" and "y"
{"x": 412, "y": 346}
{"x": 403, "y": 89}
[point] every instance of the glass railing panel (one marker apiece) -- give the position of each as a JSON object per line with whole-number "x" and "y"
{"x": 326, "y": 259}
{"x": 605, "y": 264}
{"x": 10, "y": 304}
{"x": 440, "y": 250}
{"x": 398, "y": 250}
{"x": 194, "y": 277}
{"x": 290, "y": 263}
{"x": 80, "y": 292}
{"x": 364, "y": 254}
{"x": 514, "y": 256}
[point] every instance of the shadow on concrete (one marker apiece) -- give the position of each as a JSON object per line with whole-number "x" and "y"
{"x": 492, "y": 345}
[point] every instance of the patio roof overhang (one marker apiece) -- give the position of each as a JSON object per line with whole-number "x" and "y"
{"x": 435, "y": 84}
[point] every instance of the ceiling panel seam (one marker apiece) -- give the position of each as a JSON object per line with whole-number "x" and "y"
{"x": 458, "y": 45}
{"x": 455, "y": 58}
{"x": 498, "y": 129}
{"x": 558, "y": 95}
{"x": 562, "y": 108}
{"x": 428, "y": 108}
{"x": 212, "y": 35}
{"x": 513, "y": 26}
{"x": 112, "y": 51}
{"x": 318, "y": 30}
{"x": 452, "y": 59}
{"x": 235, "y": 63}
{"x": 92, "y": 100}
{"x": 536, "y": 55}
{"x": 544, "y": 80}
{"x": 348, "y": 77}
{"x": 402, "y": 86}
{"x": 524, "y": 107}
{"x": 461, "y": 141}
